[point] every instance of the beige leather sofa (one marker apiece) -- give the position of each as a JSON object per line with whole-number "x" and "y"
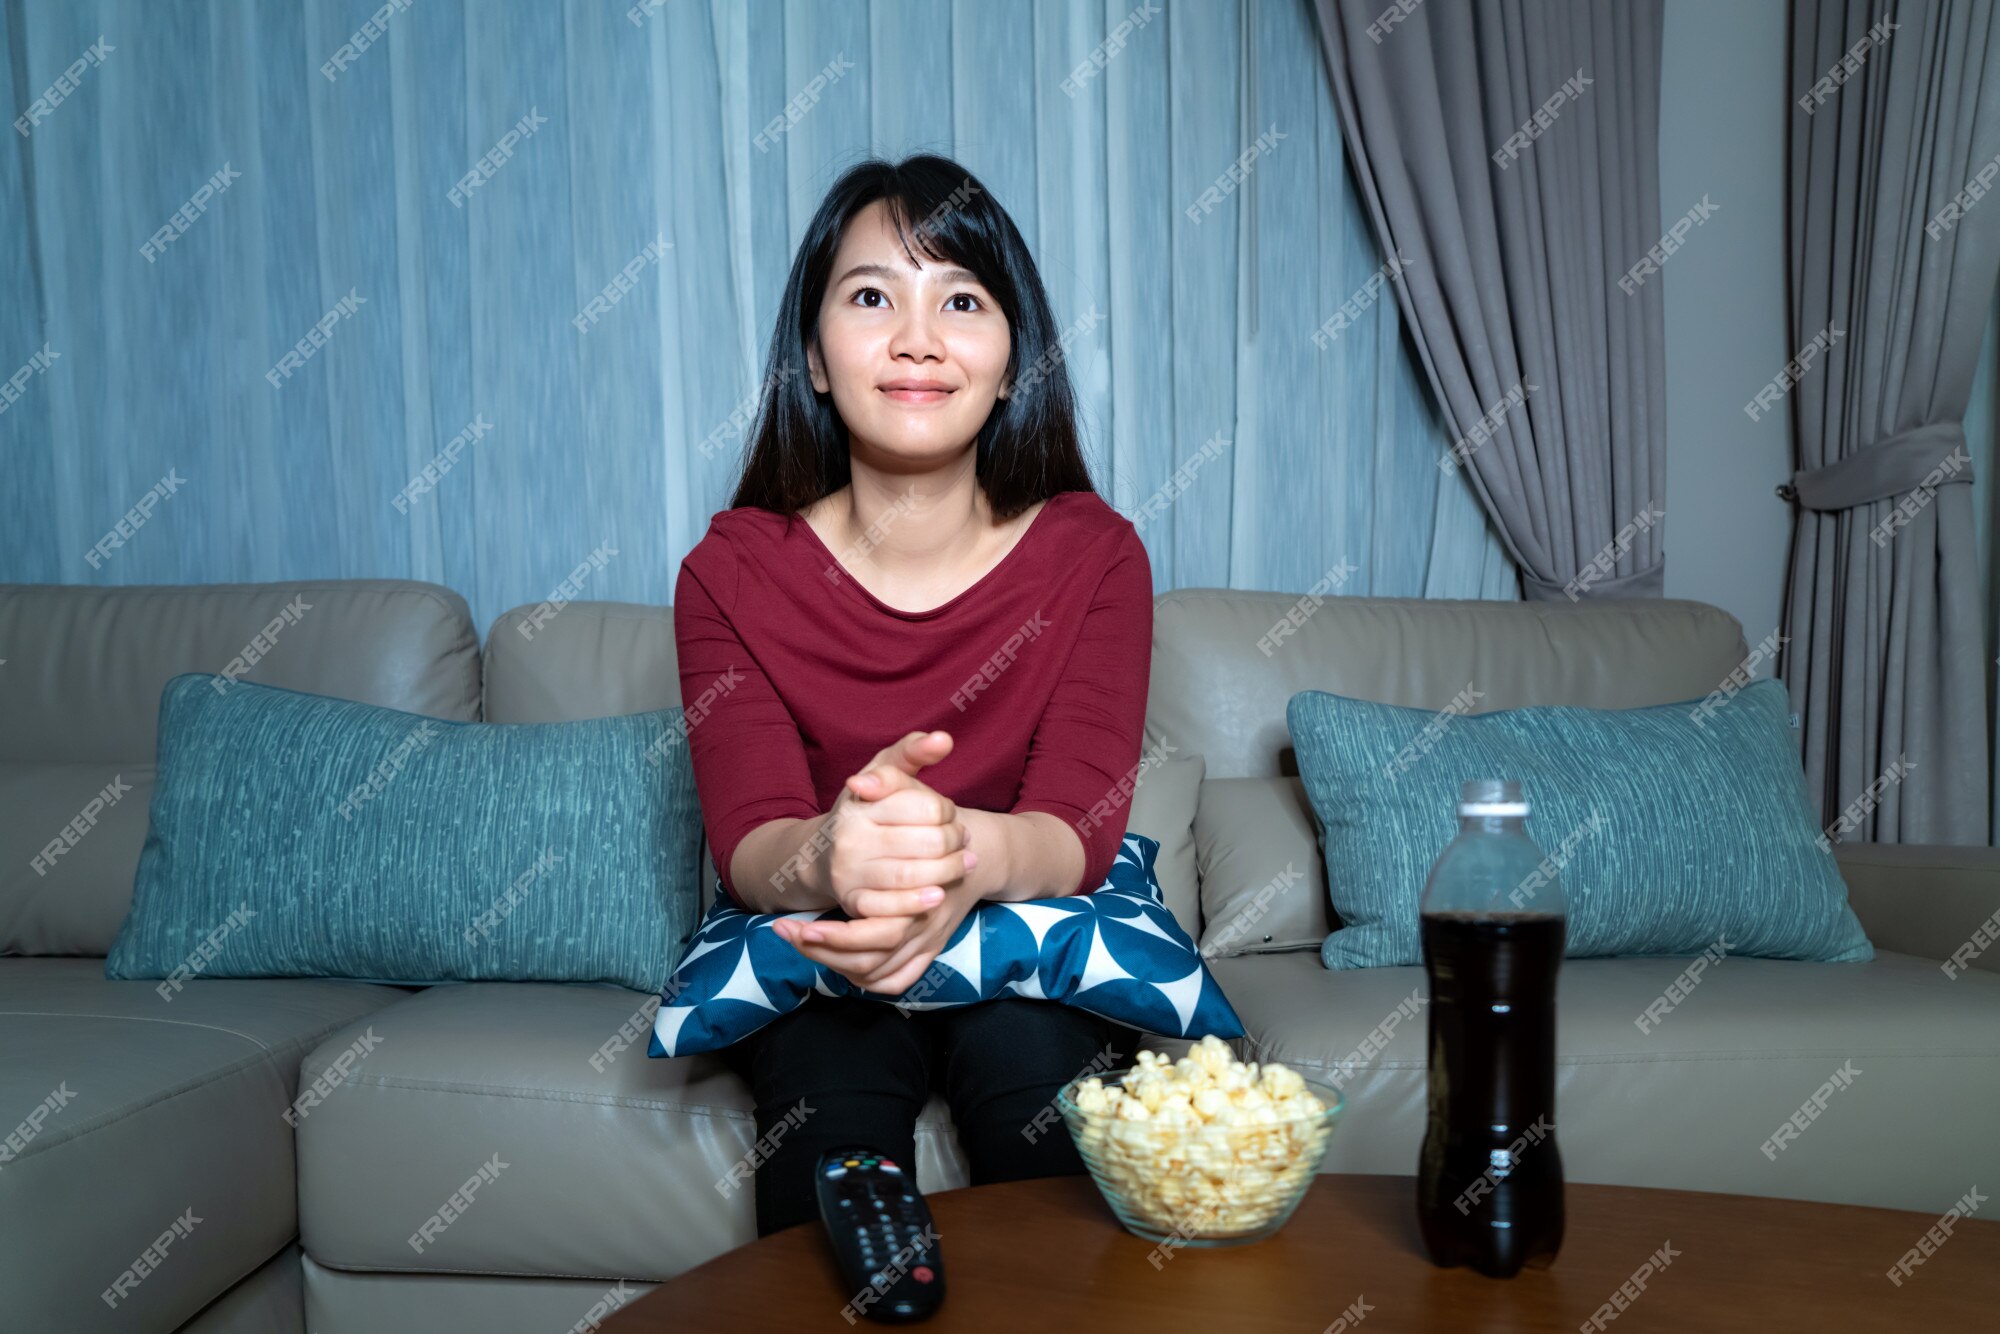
{"x": 129, "y": 1115}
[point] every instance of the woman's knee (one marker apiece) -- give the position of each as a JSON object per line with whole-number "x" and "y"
{"x": 831, "y": 1046}
{"x": 1053, "y": 1039}
{"x": 1002, "y": 1051}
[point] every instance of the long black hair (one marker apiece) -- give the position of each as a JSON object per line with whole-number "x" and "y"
{"x": 1026, "y": 451}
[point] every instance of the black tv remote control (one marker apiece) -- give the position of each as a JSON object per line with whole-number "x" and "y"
{"x": 882, "y": 1234}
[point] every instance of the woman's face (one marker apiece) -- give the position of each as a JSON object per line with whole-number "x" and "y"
{"x": 913, "y": 356}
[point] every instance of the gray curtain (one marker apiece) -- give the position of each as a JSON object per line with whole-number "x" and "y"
{"x": 1892, "y": 247}
{"x": 1508, "y": 151}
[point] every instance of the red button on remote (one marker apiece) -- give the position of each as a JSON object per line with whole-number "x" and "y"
{"x": 922, "y": 1274}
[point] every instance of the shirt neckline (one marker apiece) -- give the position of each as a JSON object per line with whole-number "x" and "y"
{"x": 873, "y": 601}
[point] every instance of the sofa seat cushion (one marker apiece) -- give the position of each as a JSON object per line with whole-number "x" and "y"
{"x": 342, "y": 1301}
{"x": 270, "y": 1301}
{"x": 608, "y": 1162}
{"x": 1693, "y": 1100}
{"x": 125, "y": 1118}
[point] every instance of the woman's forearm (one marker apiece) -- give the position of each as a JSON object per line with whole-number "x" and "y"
{"x": 1033, "y": 855}
{"x": 781, "y": 866}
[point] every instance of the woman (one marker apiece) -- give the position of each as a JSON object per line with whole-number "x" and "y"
{"x": 927, "y": 639}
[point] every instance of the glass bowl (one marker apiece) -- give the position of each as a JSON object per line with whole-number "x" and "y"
{"x": 1201, "y": 1184}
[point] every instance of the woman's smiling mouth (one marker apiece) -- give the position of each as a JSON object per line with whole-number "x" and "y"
{"x": 917, "y": 391}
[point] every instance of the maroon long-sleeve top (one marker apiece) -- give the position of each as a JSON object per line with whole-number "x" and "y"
{"x": 794, "y": 675}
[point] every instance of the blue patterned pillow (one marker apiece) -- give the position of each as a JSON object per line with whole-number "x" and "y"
{"x": 1117, "y": 952}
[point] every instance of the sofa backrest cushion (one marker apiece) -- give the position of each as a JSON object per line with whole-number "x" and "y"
{"x": 1263, "y": 881}
{"x": 1165, "y": 797}
{"x": 79, "y": 709}
{"x": 1227, "y": 661}
{"x": 580, "y": 660}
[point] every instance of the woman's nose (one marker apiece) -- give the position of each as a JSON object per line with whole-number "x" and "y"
{"x": 916, "y": 334}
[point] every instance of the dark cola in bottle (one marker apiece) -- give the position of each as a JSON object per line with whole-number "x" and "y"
{"x": 1493, "y": 919}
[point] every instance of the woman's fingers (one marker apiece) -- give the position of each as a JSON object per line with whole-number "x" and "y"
{"x": 853, "y": 962}
{"x": 898, "y": 959}
{"x": 918, "y": 838}
{"x": 888, "y": 972}
{"x": 900, "y": 760}
{"x": 868, "y": 933}
{"x": 916, "y": 749}
{"x": 908, "y": 836}
{"x": 927, "y": 747}
{"x": 905, "y": 977}
{"x": 880, "y": 780}
{"x": 899, "y": 798}
{"x": 870, "y": 785}
{"x": 917, "y": 805}
{"x": 893, "y": 902}
{"x": 917, "y": 872}
{"x": 921, "y": 840}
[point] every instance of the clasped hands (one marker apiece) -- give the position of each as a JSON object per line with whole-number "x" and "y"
{"x": 897, "y": 860}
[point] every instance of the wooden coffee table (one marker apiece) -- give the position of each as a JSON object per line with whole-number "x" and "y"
{"x": 1047, "y": 1256}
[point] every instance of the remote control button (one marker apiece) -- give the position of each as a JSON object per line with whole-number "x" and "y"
{"x": 833, "y": 1172}
{"x": 922, "y": 1274}
{"x": 892, "y": 1168}
{"x": 852, "y": 1162}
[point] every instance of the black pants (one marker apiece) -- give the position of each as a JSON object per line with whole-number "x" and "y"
{"x": 864, "y": 1070}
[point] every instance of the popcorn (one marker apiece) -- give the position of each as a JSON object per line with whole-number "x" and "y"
{"x": 1203, "y": 1146}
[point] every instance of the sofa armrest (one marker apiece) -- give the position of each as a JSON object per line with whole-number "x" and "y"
{"x": 1935, "y": 901}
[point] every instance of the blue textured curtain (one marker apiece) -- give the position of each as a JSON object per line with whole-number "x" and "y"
{"x": 263, "y": 263}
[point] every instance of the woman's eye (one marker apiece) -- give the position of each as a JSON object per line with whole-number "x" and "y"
{"x": 873, "y": 298}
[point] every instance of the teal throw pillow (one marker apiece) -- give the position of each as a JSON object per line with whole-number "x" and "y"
{"x": 1673, "y": 829}
{"x": 296, "y": 835}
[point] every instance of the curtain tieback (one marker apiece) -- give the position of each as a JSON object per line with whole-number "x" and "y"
{"x": 1647, "y": 583}
{"x": 1926, "y": 456}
